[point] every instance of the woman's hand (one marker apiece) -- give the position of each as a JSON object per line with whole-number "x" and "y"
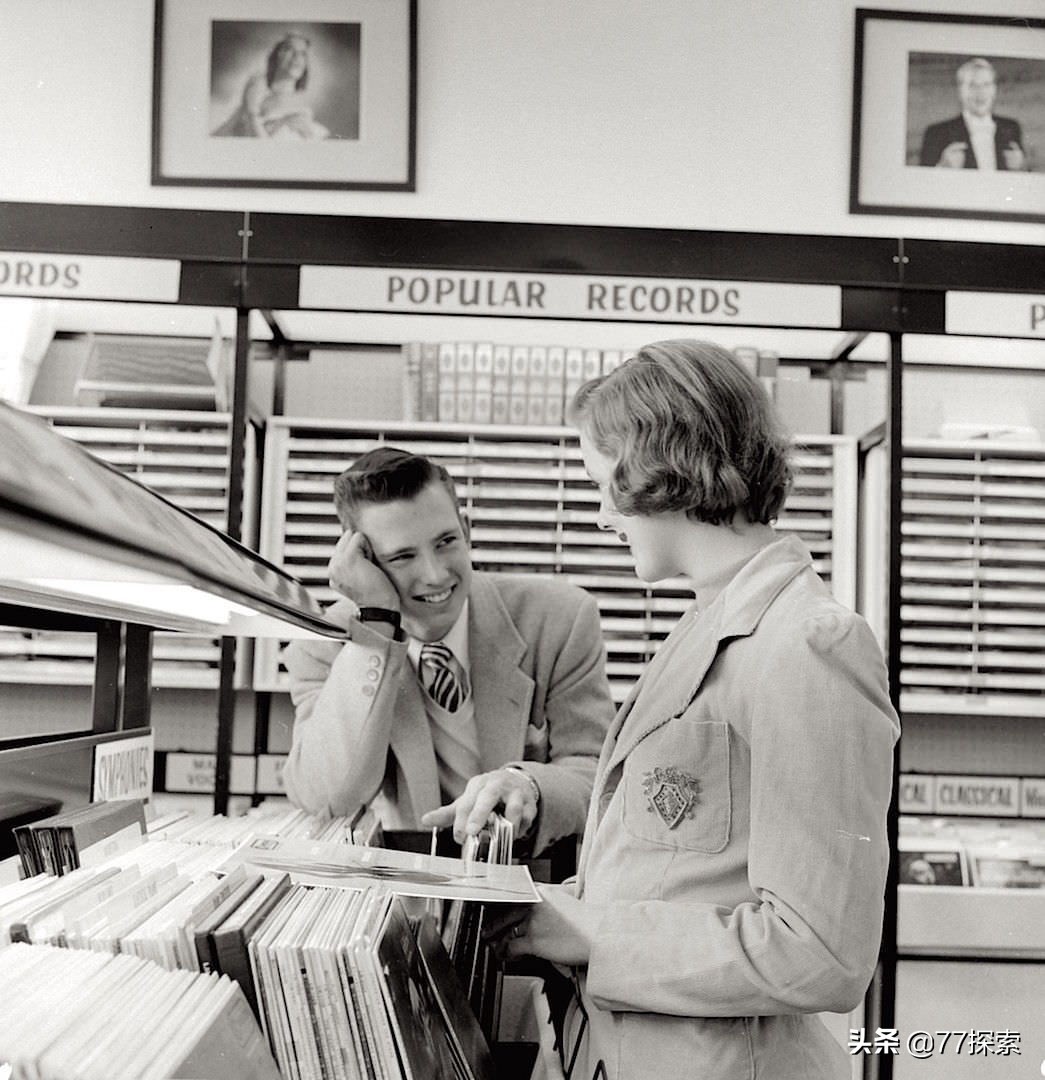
{"x": 560, "y": 929}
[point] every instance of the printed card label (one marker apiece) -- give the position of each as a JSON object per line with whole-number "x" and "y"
{"x": 89, "y": 277}
{"x": 983, "y": 796}
{"x": 917, "y": 794}
{"x": 123, "y": 769}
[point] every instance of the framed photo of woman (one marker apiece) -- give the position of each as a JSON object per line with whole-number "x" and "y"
{"x": 948, "y": 116}
{"x": 262, "y": 93}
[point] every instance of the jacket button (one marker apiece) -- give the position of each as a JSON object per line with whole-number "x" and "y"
{"x": 372, "y": 675}
{"x": 374, "y": 660}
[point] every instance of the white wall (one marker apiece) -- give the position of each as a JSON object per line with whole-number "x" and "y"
{"x": 678, "y": 113}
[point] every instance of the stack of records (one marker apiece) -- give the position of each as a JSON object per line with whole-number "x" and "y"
{"x": 362, "y": 827}
{"x": 82, "y": 837}
{"x": 346, "y": 991}
{"x": 90, "y": 1015}
{"x": 315, "y": 936}
{"x": 101, "y": 907}
{"x": 475, "y": 962}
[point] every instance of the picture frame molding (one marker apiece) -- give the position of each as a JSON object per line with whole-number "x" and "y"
{"x": 161, "y": 176}
{"x": 859, "y": 202}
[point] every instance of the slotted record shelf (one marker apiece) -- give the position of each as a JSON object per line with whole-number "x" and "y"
{"x": 184, "y": 456}
{"x": 532, "y": 509}
{"x": 973, "y": 578}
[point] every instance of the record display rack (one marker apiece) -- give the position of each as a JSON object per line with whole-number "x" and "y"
{"x": 973, "y": 578}
{"x": 531, "y": 509}
{"x": 248, "y": 260}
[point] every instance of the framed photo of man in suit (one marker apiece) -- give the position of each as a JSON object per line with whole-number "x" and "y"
{"x": 948, "y": 116}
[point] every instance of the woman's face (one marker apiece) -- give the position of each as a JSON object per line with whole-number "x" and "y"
{"x": 292, "y": 58}
{"x": 653, "y": 538}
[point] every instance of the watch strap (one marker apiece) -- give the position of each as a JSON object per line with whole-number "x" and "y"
{"x": 381, "y": 614}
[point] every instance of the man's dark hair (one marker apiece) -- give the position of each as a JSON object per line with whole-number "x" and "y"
{"x": 384, "y": 475}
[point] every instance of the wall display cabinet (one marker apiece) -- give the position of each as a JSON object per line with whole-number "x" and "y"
{"x": 973, "y": 578}
{"x": 532, "y": 509}
{"x": 183, "y": 456}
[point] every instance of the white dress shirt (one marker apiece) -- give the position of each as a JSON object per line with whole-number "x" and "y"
{"x": 981, "y": 133}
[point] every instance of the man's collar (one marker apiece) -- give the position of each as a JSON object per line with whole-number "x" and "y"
{"x": 456, "y": 640}
{"x": 978, "y": 121}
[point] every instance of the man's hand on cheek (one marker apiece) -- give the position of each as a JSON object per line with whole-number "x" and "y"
{"x": 353, "y": 573}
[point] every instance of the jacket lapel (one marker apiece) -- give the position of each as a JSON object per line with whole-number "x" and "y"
{"x": 660, "y": 700}
{"x": 654, "y": 701}
{"x": 502, "y": 693}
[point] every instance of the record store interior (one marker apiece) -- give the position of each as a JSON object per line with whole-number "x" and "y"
{"x": 522, "y": 539}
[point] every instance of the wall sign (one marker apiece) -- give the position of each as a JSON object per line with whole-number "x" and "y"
{"x": 1032, "y": 798}
{"x": 123, "y": 769}
{"x": 917, "y": 793}
{"x": 186, "y": 772}
{"x": 569, "y": 296}
{"x": 983, "y": 796}
{"x": 89, "y": 277}
{"x": 1004, "y": 314}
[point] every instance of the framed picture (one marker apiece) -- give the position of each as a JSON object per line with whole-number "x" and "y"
{"x": 285, "y": 93}
{"x": 948, "y": 116}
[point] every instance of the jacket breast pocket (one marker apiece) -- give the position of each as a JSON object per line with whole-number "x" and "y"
{"x": 676, "y": 786}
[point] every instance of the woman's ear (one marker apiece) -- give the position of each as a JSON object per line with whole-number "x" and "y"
{"x": 466, "y": 527}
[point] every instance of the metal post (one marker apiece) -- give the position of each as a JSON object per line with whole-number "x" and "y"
{"x": 137, "y": 676}
{"x": 105, "y": 703}
{"x": 227, "y": 669}
{"x": 880, "y": 1011}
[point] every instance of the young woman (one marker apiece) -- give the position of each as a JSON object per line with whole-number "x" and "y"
{"x": 731, "y": 880}
{"x": 275, "y": 105}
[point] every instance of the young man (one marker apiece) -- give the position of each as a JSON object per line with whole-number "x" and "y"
{"x": 460, "y": 692}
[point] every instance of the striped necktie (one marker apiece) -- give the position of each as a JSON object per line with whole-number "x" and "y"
{"x": 441, "y": 680}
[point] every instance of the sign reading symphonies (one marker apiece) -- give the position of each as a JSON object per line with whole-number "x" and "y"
{"x": 89, "y": 277}
{"x": 569, "y": 296}
{"x": 1004, "y": 314}
{"x": 123, "y": 769}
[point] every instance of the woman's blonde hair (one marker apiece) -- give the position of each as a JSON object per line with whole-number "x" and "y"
{"x": 691, "y": 430}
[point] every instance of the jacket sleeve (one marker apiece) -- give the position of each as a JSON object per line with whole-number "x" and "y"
{"x": 822, "y": 735}
{"x": 344, "y": 706}
{"x": 933, "y": 142}
{"x": 578, "y": 709}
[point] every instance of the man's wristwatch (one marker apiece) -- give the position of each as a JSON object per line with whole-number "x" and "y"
{"x": 533, "y": 783}
{"x": 381, "y": 614}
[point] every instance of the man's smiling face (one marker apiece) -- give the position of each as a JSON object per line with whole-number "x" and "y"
{"x": 422, "y": 545}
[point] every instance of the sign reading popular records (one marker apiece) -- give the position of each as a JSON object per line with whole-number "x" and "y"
{"x": 569, "y": 296}
{"x": 89, "y": 277}
{"x": 1001, "y": 314}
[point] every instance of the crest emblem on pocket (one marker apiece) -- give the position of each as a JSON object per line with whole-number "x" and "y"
{"x": 671, "y": 794}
